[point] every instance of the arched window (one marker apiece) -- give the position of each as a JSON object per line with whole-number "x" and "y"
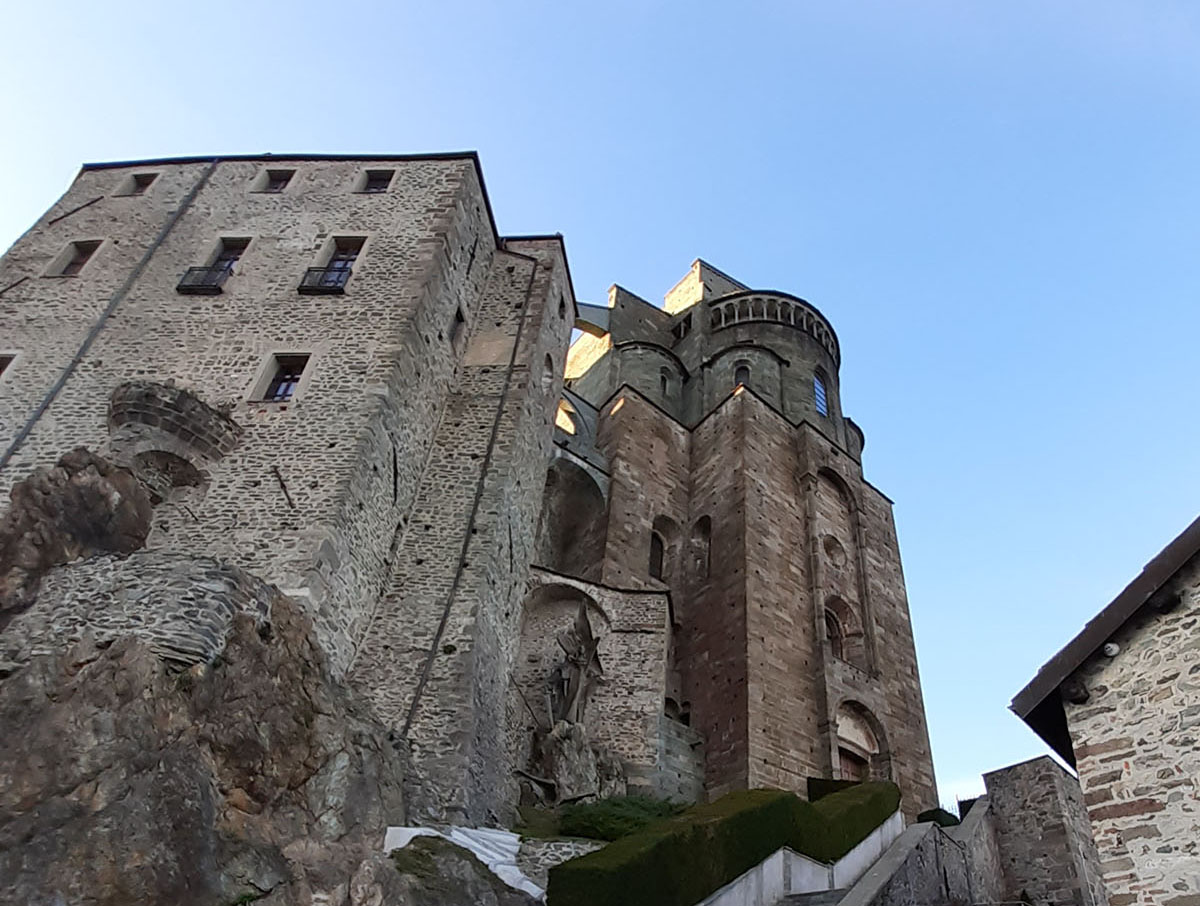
{"x": 833, "y": 632}
{"x": 702, "y": 546}
{"x": 664, "y": 381}
{"x": 820, "y": 394}
{"x": 741, "y": 375}
{"x": 656, "y": 555}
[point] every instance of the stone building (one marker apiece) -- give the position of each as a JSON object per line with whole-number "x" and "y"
{"x": 655, "y": 556}
{"x": 702, "y": 452}
{"x": 1121, "y": 703}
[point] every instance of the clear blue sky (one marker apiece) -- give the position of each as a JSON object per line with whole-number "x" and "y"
{"x": 995, "y": 203}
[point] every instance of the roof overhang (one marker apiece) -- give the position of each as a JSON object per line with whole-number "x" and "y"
{"x": 1039, "y": 704}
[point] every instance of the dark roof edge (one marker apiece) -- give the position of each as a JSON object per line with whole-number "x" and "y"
{"x": 472, "y": 156}
{"x": 211, "y": 158}
{"x": 1102, "y": 626}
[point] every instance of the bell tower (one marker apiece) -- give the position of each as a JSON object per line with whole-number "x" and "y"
{"x": 735, "y": 481}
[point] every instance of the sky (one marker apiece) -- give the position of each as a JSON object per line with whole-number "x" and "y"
{"x": 995, "y": 204}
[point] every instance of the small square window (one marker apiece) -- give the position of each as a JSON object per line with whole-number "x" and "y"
{"x": 141, "y": 182}
{"x": 136, "y": 183}
{"x": 77, "y": 255}
{"x": 377, "y": 181}
{"x": 277, "y": 180}
{"x": 284, "y": 378}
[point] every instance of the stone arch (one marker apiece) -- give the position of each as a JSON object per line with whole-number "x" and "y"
{"x": 861, "y": 743}
{"x": 847, "y": 640}
{"x": 168, "y": 476}
{"x": 546, "y": 611}
{"x": 547, "y": 373}
{"x": 663, "y": 549}
{"x": 574, "y": 522}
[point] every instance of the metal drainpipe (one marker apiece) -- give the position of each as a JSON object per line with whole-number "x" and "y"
{"x": 480, "y": 486}
{"x": 115, "y": 300}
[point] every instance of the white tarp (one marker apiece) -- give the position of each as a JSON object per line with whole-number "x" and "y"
{"x": 497, "y": 849}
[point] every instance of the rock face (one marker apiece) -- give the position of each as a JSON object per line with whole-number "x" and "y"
{"x": 431, "y": 871}
{"x": 84, "y": 505}
{"x": 254, "y": 777}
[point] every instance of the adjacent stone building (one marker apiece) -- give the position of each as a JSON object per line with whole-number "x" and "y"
{"x": 702, "y": 452}
{"x": 1121, "y": 703}
{"x": 654, "y": 559}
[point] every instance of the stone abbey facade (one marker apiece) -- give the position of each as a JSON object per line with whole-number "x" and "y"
{"x": 650, "y": 555}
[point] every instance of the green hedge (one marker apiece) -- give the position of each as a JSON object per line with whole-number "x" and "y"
{"x": 938, "y": 816}
{"x": 820, "y": 787}
{"x": 614, "y": 818}
{"x": 679, "y": 861}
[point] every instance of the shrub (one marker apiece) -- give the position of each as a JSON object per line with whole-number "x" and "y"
{"x": 938, "y": 816}
{"x": 611, "y": 819}
{"x": 678, "y": 861}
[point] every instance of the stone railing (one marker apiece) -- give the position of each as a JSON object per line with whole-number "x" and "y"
{"x": 773, "y": 308}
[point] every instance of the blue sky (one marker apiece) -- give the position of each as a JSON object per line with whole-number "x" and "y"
{"x": 996, "y": 204}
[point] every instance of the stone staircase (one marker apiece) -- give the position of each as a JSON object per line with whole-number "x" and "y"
{"x": 819, "y": 898}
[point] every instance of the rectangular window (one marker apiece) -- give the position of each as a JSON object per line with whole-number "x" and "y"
{"x": 80, "y": 253}
{"x": 231, "y": 250}
{"x": 377, "y": 181}
{"x": 5, "y": 361}
{"x": 141, "y": 182}
{"x": 277, "y": 180}
{"x": 819, "y": 393}
{"x": 332, "y": 278}
{"x": 285, "y": 378}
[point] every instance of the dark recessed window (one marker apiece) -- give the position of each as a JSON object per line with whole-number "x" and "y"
{"x": 80, "y": 253}
{"x": 656, "y": 555}
{"x": 277, "y": 180}
{"x": 333, "y": 276}
{"x": 741, "y": 376}
{"x": 141, "y": 182}
{"x": 833, "y": 632}
{"x": 5, "y": 361}
{"x": 683, "y": 328}
{"x": 377, "y": 181}
{"x": 231, "y": 250}
{"x": 820, "y": 395}
{"x": 285, "y": 379}
{"x": 456, "y": 327}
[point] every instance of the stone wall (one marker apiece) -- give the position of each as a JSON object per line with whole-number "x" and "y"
{"x": 1043, "y": 835}
{"x": 181, "y": 606}
{"x": 1135, "y": 742}
{"x": 624, "y": 713}
{"x": 311, "y": 498}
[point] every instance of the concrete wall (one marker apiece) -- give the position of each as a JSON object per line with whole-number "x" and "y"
{"x": 1135, "y": 742}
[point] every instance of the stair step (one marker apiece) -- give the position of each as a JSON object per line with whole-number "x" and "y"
{"x": 818, "y": 898}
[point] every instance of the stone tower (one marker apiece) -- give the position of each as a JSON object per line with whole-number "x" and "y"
{"x": 331, "y": 375}
{"x": 703, "y": 451}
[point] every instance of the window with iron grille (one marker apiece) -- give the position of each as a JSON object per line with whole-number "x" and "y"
{"x": 81, "y": 252}
{"x": 820, "y": 395}
{"x": 377, "y": 181}
{"x": 333, "y": 276}
{"x": 285, "y": 378}
{"x": 229, "y": 253}
{"x": 277, "y": 180}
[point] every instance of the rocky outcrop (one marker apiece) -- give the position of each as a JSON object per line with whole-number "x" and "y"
{"x": 255, "y": 777}
{"x": 571, "y": 768}
{"x": 84, "y": 505}
{"x": 431, "y": 871}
